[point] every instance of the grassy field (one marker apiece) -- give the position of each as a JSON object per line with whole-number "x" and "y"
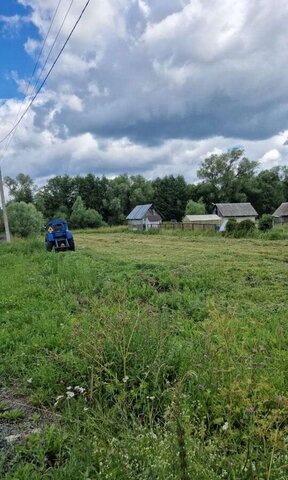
{"x": 150, "y": 357}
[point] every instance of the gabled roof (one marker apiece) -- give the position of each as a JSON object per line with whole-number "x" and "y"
{"x": 236, "y": 209}
{"x": 139, "y": 212}
{"x": 202, "y": 218}
{"x": 281, "y": 211}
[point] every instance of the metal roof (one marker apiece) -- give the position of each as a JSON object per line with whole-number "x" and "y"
{"x": 139, "y": 212}
{"x": 281, "y": 211}
{"x": 236, "y": 210}
{"x": 202, "y": 218}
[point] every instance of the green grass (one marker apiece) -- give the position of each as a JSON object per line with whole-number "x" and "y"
{"x": 12, "y": 415}
{"x": 180, "y": 343}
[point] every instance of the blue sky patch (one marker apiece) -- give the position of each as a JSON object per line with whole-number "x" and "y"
{"x": 14, "y": 33}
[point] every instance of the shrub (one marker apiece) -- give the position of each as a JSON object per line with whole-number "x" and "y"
{"x": 24, "y": 219}
{"x": 82, "y": 217}
{"x": 92, "y": 218}
{"x": 241, "y": 229}
{"x": 245, "y": 226}
{"x": 231, "y": 225}
{"x": 265, "y": 222}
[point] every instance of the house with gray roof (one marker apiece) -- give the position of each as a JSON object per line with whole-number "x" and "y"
{"x": 281, "y": 214}
{"x": 239, "y": 211}
{"x": 143, "y": 217}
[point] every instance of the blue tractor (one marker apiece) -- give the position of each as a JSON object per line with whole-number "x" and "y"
{"x": 58, "y": 236}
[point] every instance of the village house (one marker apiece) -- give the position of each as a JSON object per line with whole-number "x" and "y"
{"x": 143, "y": 217}
{"x": 239, "y": 211}
{"x": 280, "y": 215}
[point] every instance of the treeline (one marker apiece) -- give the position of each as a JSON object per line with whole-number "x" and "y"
{"x": 90, "y": 200}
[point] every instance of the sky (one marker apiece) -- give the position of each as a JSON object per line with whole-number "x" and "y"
{"x": 143, "y": 87}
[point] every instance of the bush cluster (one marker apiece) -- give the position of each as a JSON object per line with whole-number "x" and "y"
{"x": 239, "y": 229}
{"x": 82, "y": 217}
{"x": 24, "y": 219}
{"x": 265, "y": 223}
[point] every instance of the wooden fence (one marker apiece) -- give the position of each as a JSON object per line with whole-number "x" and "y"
{"x": 185, "y": 226}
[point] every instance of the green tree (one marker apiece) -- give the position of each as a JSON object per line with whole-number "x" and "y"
{"x": 59, "y": 192}
{"x": 22, "y": 188}
{"x": 141, "y": 191}
{"x": 170, "y": 196}
{"x": 24, "y": 219}
{"x": 77, "y": 217}
{"x": 92, "y": 190}
{"x": 93, "y": 219}
{"x": 227, "y": 177}
{"x": 284, "y": 174}
{"x": 195, "y": 208}
{"x": 245, "y": 185}
{"x": 117, "y": 199}
{"x": 82, "y": 217}
{"x": 62, "y": 212}
{"x": 270, "y": 191}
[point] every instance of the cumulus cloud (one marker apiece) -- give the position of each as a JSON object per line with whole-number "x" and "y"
{"x": 151, "y": 87}
{"x": 11, "y": 24}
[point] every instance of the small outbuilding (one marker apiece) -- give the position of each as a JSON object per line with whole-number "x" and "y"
{"x": 206, "y": 222}
{"x": 280, "y": 216}
{"x": 143, "y": 217}
{"x": 239, "y": 211}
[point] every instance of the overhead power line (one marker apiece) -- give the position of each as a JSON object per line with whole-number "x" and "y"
{"x": 32, "y": 74}
{"x": 53, "y": 45}
{"x": 47, "y": 75}
{"x": 42, "y": 47}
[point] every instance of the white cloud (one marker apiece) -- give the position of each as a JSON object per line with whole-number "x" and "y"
{"x": 153, "y": 87}
{"x": 144, "y": 7}
{"x": 12, "y": 23}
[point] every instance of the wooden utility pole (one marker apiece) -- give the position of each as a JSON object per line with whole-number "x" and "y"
{"x": 5, "y": 217}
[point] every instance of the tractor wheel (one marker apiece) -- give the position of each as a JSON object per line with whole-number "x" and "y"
{"x": 71, "y": 244}
{"x": 49, "y": 246}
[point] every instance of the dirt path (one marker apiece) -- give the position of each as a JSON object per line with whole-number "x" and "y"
{"x": 18, "y": 419}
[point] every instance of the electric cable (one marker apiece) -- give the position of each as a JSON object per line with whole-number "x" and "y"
{"x": 53, "y": 45}
{"x": 48, "y": 73}
{"x": 32, "y": 74}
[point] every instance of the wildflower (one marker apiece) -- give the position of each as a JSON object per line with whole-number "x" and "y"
{"x": 29, "y": 380}
{"x": 225, "y": 426}
{"x": 150, "y": 398}
{"x": 70, "y": 394}
{"x": 58, "y": 399}
{"x": 79, "y": 389}
{"x": 125, "y": 379}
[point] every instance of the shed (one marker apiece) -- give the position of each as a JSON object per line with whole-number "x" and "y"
{"x": 202, "y": 219}
{"x": 143, "y": 217}
{"x": 281, "y": 214}
{"x": 239, "y": 211}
